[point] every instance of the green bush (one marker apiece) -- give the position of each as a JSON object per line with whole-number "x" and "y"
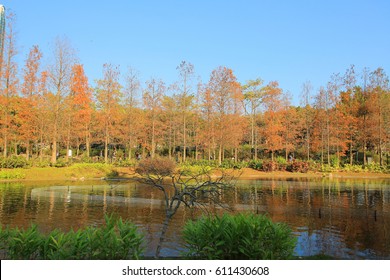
{"x": 352, "y": 168}
{"x": 60, "y": 163}
{"x": 375, "y": 167}
{"x": 116, "y": 239}
{"x": 256, "y": 164}
{"x": 202, "y": 162}
{"x": 238, "y": 237}
{"x": 281, "y": 160}
{"x": 125, "y": 163}
{"x": 334, "y": 161}
{"x": 327, "y": 168}
{"x": 188, "y": 170}
{"x": 38, "y": 163}
{"x": 13, "y": 162}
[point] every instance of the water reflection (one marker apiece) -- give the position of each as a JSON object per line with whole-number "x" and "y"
{"x": 348, "y": 219}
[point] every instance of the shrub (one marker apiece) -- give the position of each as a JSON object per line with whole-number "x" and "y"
{"x": 238, "y": 237}
{"x": 43, "y": 163}
{"x": 334, "y": 161}
{"x": 269, "y": 166}
{"x": 281, "y": 160}
{"x": 256, "y": 164}
{"x": 156, "y": 166}
{"x": 353, "y": 168}
{"x": 227, "y": 163}
{"x": 189, "y": 170}
{"x": 116, "y": 239}
{"x": 13, "y": 162}
{"x": 375, "y": 167}
{"x": 60, "y": 163}
{"x": 125, "y": 163}
{"x": 300, "y": 166}
{"x": 327, "y": 168}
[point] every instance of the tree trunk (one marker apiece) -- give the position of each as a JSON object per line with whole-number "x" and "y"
{"x": 54, "y": 145}
{"x": 5, "y": 146}
{"x": 164, "y": 229}
{"x": 28, "y": 150}
{"x": 153, "y": 140}
{"x": 87, "y": 144}
{"x": 220, "y": 154}
{"x": 106, "y": 149}
{"x": 350, "y": 154}
{"x": 184, "y": 139}
{"x": 130, "y": 150}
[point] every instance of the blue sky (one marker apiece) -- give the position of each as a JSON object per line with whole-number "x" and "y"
{"x": 287, "y": 41}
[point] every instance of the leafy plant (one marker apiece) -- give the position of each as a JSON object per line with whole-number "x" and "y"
{"x": 269, "y": 166}
{"x": 188, "y": 170}
{"x": 244, "y": 236}
{"x": 116, "y": 239}
{"x": 24, "y": 244}
{"x": 256, "y": 164}
{"x": 300, "y": 166}
{"x": 14, "y": 162}
{"x": 352, "y": 168}
{"x": 125, "y": 163}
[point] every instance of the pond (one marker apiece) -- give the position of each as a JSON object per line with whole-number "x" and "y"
{"x": 346, "y": 219}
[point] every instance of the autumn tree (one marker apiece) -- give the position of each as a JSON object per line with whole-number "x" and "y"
{"x": 308, "y": 115}
{"x": 253, "y": 95}
{"x": 9, "y": 84}
{"x": 291, "y": 123}
{"x": 225, "y": 91}
{"x": 348, "y": 106}
{"x": 132, "y": 120}
{"x": 59, "y": 77}
{"x": 185, "y": 100}
{"x": 379, "y": 102}
{"x": 170, "y": 115}
{"x": 207, "y": 135}
{"x": 80, "y": 105}
{"x": 108, "y": 95}
{"x": 152, "y": 98}
{"x": 43, "y": 109}
{"x": 273, "y": 126}
{"x": 30, "y": 95}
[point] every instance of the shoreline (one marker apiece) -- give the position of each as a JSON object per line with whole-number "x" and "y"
{"x": 126, "y": 173}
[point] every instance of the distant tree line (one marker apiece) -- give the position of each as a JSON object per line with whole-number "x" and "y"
{"x": 45, "y": 109}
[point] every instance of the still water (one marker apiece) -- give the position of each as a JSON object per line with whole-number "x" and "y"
{"x": 347, "y": 219}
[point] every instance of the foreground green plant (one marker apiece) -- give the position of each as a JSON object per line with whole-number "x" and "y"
{"x": 238, "y": 237}
{"x": 116, "y": 239}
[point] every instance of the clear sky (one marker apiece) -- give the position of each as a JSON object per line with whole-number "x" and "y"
{"x": 287, "y": 41}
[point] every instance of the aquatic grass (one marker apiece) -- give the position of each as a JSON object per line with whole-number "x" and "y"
{"x": 243, "y": 236}
{"x": 116, "y": 239}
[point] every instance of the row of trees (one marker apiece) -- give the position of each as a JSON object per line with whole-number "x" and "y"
{"x": 45, "y": 108}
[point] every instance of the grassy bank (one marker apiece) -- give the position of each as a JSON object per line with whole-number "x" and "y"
{"x": 84, "y": 171}
{"x": 79, "y": 171}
